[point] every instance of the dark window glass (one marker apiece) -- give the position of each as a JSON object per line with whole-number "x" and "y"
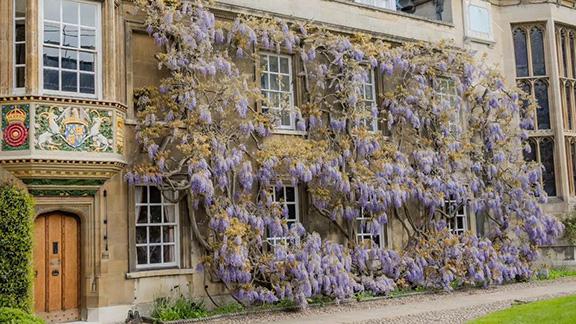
{"x": 547, "y": 159}
{"x": 530, "y": 156}
{"x": 142, "y": 215}
{"x": 155, "y": 234}
{"x": 51, "y": 57}
{"x": 20, "y": 77}
{"x": 573, "y": 153}
{"x": 87, "y": 83}
{"x": 20, "y": 54}
{"x": 87, "y": 61}
{"x": 564, "y": 53}
{"x": 568, "y": 105}
{"x": 169, "y": 253}
{"x": 69, "y": 81}
{"x": 142, "y": 254}
{"x": 537, "y": 44}
{"x": 155, "y": 254}
{"x": 20, "y": 31}
{"x": 543, "y": 111}
{"x": 155, "y": 195}
{"x": 521, "y": 52}
{"x": 51, "y": 79}
{"x": 69, "y": 59}
{"x": 141, "y": 235}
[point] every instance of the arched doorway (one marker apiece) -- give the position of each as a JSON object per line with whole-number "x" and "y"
{"x": 57, "y": 266}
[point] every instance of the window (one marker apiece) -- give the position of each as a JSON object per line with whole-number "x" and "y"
{"x": 369, "y": 99}
{"x": 156, "y": 229}
{"x": 287, "y": 196}
{"x": 542, "y": 151}
{"x": 364, "y": 233}
{"x": 19, "y": 44}
{"x": 457, "y": 220}
{"x": 531, "y": 69}
{"x": 276, "y": 86}
{"x": 70, "y": 38}
{"x": 386, "y": 4}
{"x": 478, "y": 20}
{"x": 565, "y": 45}
{"x": 445, "y": 90}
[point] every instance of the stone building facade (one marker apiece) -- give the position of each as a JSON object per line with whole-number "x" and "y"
{"x": 68, "y": 70}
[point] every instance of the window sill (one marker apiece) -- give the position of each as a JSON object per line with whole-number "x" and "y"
{"x": 158, "y": 273}
{"x": 288, "y": 132}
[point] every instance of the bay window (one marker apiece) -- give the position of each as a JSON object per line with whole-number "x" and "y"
{"x": 70, "y": 41}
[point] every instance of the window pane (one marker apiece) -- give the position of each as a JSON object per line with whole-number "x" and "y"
{"x": 51, "y": 33}
{"x": 169, "y": 214}
{"x": 543, "y": 112}
{"x": 290, "y": 194}
{"x": 273, "y": 63}
{"x": 154, "y": 232}
{"x": 521, "y": 52}
{"x": 284, "y": 83}
{"x": 20, "y": 54}
{"x": 564, "y": 53}
{"x": 20, "y": 77}
{"x": 547, "y": 159}
{"x": 264, "y": 84}
{"x": 20, "y": 30}
{"x": 155, "y": 195}
{"x": 70, "y": 36}
{"x": 264, "y": 63}
{"x": 537, "y": 43}
{"x": 155, "y": 214}
{"x": 530, "y": 156}
{"x": 69, "y": 59}
{"x": 141, "y": 235}
{"x": 20, "y": 9}
{"x": 87, "y": 15}
{"x": 51, "y": 57}
{"x": 70, "y": 12}
{"x": 568, "y": 92}
{"x": 169, "y": 256}
{"x": 292, "y": 212}
{"x": 88, "y": 39}
{"x": 284, "y": 67}
{"x": 87, "y": 83}
{"x": 155, "y": 254}
{"x": 69, "y": 81}
{"x": 142, "y": 214}
{"x": 142, "y": 254}
{"x": 52, "y": 9}
{"x": 51, "y": 79}
{"x": 168, "y": 234}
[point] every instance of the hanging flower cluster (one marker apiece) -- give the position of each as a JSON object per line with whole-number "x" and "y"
{"x": 444, "y": 128}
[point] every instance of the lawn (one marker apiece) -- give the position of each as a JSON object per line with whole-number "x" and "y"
{"x": 558, "y": 311}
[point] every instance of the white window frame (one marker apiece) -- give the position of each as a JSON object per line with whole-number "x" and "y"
{"x": 274, "y": 240}
{"x": 473, "y": 35}
{"x": 176, "y": 224}
{"x": 291, "y": 106}
{"x": 362, "y": 235}
{"x": 452, "y": 222}
{"x": 18, "y": 90}
{"x": 385, "y": 4}
{"x": 370, "y": 103}
{"x": 98, "y": 52}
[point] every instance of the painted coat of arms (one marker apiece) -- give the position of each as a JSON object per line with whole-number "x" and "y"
{"x": 15, "y": 124}
{"x": 73, "y": 129}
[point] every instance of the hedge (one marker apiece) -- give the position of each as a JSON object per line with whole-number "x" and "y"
{"x": 17, "y": 316}
{"x": 16, "y": 219}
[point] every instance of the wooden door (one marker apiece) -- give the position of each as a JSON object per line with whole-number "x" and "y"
{"x": 56, "y": 267}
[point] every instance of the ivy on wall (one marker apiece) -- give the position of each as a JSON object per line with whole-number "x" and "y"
{"x": 16, "y": 218}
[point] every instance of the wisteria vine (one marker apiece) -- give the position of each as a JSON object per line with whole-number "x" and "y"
{"x": 397, "y": 160}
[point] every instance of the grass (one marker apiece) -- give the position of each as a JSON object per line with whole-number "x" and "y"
{"x": 558, "y": 311}
{"x": 561, "y": 272}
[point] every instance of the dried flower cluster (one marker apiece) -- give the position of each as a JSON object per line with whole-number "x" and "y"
{"x": 400, "y": 158}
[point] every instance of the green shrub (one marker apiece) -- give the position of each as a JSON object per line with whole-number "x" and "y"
{"x": 172, "y": 309}
{"x": 17, "y": 316}
{"x": 570, "y": 227}
{"x": 16, "y": 218}
{"x": 230, "y": 308}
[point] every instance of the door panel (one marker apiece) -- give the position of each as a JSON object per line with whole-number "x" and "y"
{"x": 56, "y": 262}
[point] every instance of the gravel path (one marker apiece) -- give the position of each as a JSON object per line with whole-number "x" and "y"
{"x": 456, "y": 307}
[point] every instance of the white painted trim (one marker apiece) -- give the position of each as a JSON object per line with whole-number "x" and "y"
{"x": 292, "y": 126}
